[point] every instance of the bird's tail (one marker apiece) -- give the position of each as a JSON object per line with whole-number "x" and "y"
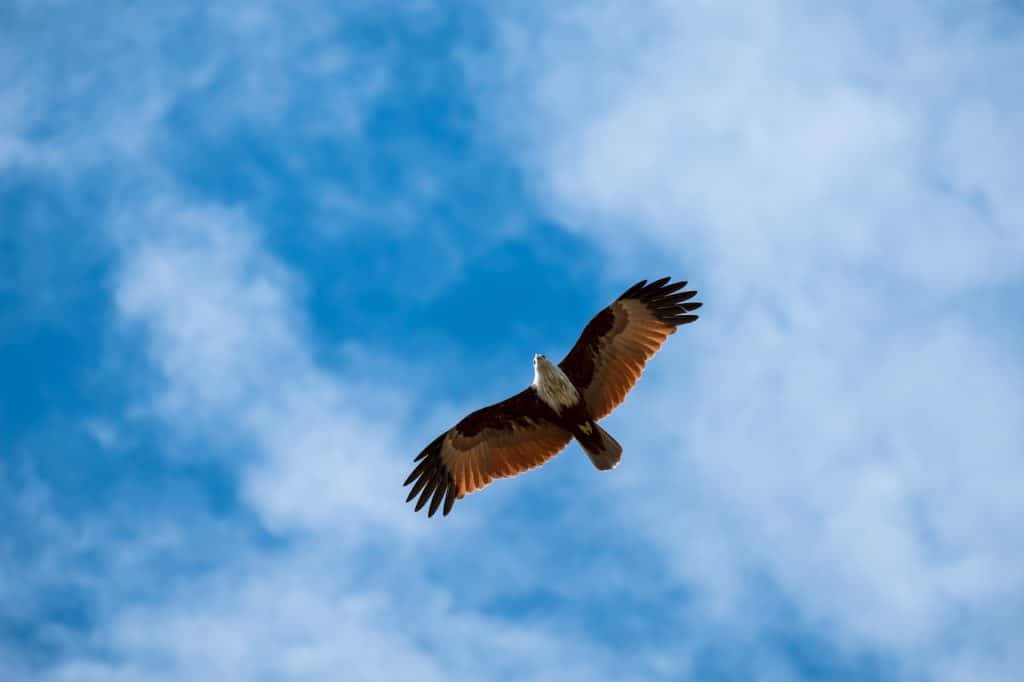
{"x": 603, "y": 450}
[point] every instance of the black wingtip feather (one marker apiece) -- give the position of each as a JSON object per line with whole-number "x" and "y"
{"x": 435, "y": 446}
{"x": 415, "y": 473}
{"x": 417, "y": 488}
{"x": 432, "y": 481}
{"x": 435, "y": 501}
{"x": 658, "y": 283}
{"x": 428, "y": 490}
{"x": 661, "y": 299}
{"x": 633, "y": 289}
{"x": 449, "y": 500}
{"x": 679, "y": 298}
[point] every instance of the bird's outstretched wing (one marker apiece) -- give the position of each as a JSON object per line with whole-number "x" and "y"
{"x": 501, "y": 440}
{"x": 610, "y": 354}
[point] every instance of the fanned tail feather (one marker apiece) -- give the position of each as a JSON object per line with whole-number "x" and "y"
{"x": 603, "y": 450}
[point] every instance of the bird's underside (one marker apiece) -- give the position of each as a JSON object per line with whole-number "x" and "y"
{"x": 564, "y": 402}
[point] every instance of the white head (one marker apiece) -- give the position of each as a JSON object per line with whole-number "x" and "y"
{"x": 541, "y": 365}
{"x": 553, "y": 386}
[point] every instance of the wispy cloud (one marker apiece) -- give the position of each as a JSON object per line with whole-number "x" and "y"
{"x": 819, "y": 475}
{"x": 220, "y": 320}
{"x": 334, "y": 573}
{"x": 310, "y": 563}
{"x": 121, "y": 75}
{"x": 838, "y": 182}
{"x": 745, "y": 122}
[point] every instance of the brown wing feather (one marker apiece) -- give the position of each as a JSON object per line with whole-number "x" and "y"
{"x": 500, "y": 440}
{"x": 610, "y": 355}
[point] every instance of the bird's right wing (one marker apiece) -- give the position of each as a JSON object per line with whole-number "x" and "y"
{"x": 501, "y": 440}
{"x": 610, "y": 354}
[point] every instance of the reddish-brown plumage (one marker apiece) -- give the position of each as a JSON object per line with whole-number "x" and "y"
{"x": 522, "y": 432}
{"x": 610, "y": 355}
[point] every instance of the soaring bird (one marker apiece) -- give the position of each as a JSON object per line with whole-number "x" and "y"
{"x": 564, "y": 402}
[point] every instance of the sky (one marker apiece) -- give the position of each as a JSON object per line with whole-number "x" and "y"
{"x": 256, "y": 255}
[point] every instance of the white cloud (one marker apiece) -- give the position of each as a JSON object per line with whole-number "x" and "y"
{"x": 838, "y": 181}
{"x": 220, "y": 320}
{"x": 354, "y": 584}
{"x": 842, "y": 184}
{"x": 306, "y": 610}
{"x": 777, "y": 133}
{"x": 302, "y": 618}
{"x": 123, "y": 73}
{"x": 354, "y": 581}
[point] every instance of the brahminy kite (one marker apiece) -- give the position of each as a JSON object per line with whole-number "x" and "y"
{"x": 564, "y": 402}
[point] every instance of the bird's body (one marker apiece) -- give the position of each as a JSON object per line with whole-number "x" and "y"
{"x": 564, "y": 402}
{"x": 557, "y": 391}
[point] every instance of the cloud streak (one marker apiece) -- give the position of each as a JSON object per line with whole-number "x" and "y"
{"x": 321, "y": 567}
{"x": 837, "y": 181}
{"x": 818, "y": 479}
{"x": 222, "y": 329}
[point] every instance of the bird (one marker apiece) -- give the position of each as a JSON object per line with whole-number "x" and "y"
{"x": 565, "y": 401}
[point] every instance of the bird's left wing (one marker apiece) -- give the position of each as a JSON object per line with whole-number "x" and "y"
{"x": 610, "y": 354}
{"x": 501, "y": 440}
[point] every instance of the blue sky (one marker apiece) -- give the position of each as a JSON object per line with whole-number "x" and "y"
{"x": 256, "y": 255}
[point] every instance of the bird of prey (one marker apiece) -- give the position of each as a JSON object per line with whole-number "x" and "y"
{"x": 564, "y": 402}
